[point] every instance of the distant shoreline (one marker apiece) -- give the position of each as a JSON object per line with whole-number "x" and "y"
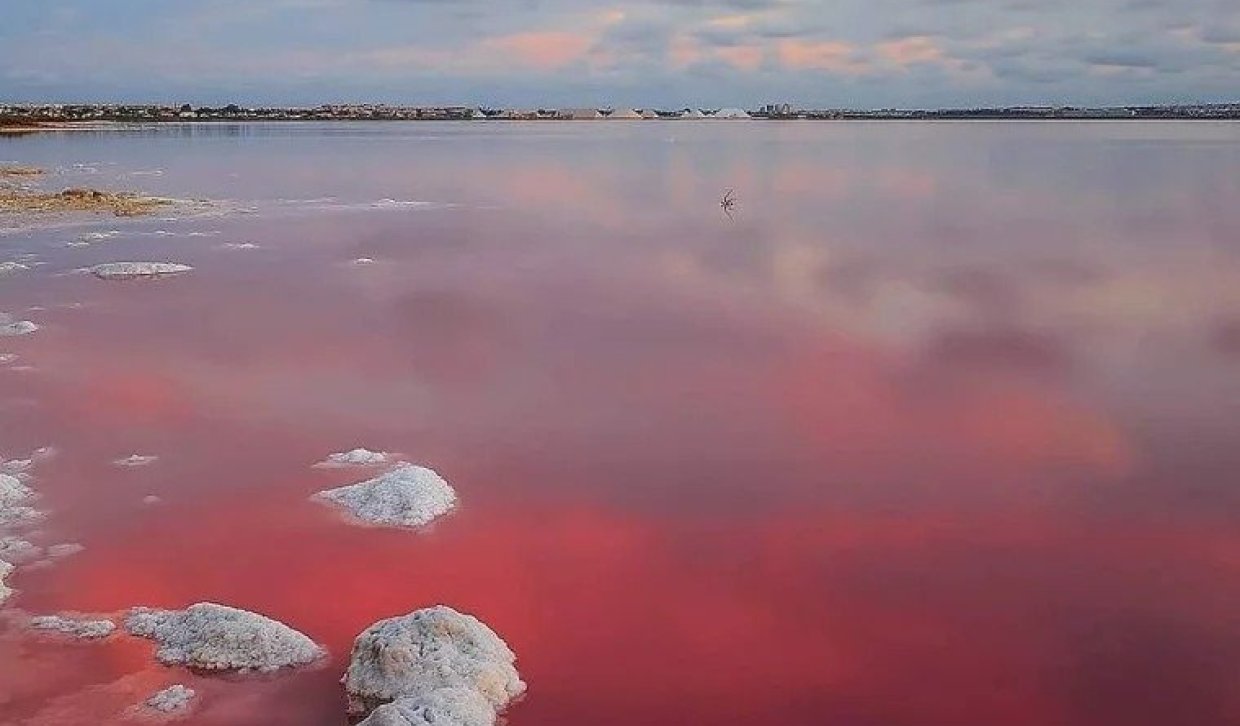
{"x": 23, "y": 119}
{"x": 122, "y": 126}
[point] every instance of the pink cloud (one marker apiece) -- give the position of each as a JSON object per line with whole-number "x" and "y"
{"x": 543, "y": 50}
{"x": 828, "y": 55}
{"x": 911, "y": 50}
{"x": 742, "y": 57}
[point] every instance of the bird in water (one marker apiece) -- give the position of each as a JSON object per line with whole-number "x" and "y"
{"x": 728, "y": 203}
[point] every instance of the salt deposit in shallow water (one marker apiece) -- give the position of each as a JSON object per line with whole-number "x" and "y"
{"x": 7, "y": 267}
{"x": 131, "y": 270}
{"x": 239, "y": 246}
{"x": 7, "y": 358}
{"x": 90, "y": 238}
{"x": 136, "y": 460}
{"x": 408, "y": 496}
{"x": 15, "y": 466}
{"x": 16, "y": 327}
{"x": 173, "y": 699}
{"x": 356, "y": 457}
{"x": 445, "y": 707}
{"x": 61, "y": 551}
{"x": 151, "y": 499}
{"x": 84, "y": 629}
{"x": 216, "y": 637}
{"x": 419, "y": 655}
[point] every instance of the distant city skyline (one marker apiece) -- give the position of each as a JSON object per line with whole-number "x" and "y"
{"x": 659, "y": 53}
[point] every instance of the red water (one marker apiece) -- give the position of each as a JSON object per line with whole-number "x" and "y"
{"x": 940, "y": 430}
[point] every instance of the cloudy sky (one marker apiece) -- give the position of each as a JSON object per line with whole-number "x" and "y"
{"x": 858, "y": 53}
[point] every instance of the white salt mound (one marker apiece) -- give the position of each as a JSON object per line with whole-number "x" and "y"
{"x": 408, "y": 496}
{"x": 418, "y": 655}
{"x": 171, "y": 700}
{"x": 215, "y": 637}
{"x": 136, "y": 460}
{"x": 84, "y": 629}
{"x": 445, "y": 707}
{"x": 356, "y": 457}
{"x": 131, "y": 270}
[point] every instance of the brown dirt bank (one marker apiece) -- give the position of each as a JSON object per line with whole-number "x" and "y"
{"x": 121, "y": 204}
{"x": 11, "y": 170}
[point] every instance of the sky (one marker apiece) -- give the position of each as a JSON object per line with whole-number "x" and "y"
{"x": 653, "y": 53}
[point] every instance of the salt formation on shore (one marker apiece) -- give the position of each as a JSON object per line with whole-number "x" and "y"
{"x": 434, "y": 665}
{"x": 408, "y": 496}
{"x": 16, "y": 512}
{"x": 16, "y": 550}
{"x": 84, "y": 629}
{"x": 131, "y": 270}
{"x": 173, "y": 699}
{"x": 14, "y": 496}
{"x": 12, "y": 491}
{"x": 136, "y": 460}
{"x": 5, "y": 590}
{"x": 356, "y": 457}
{"x": 215, "y": 637}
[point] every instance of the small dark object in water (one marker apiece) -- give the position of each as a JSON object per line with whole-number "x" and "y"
{"x": 728, "y": 203}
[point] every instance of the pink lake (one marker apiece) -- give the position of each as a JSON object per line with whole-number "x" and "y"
{"x": 940, "y": 429}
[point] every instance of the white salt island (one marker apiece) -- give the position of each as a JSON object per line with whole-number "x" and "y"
{"x": 215, "y": 637}
{"x": 432, "y": 666}
{"x": 408, "y": 496}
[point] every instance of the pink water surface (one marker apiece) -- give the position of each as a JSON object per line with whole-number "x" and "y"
{"x": 939, "y": 430}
